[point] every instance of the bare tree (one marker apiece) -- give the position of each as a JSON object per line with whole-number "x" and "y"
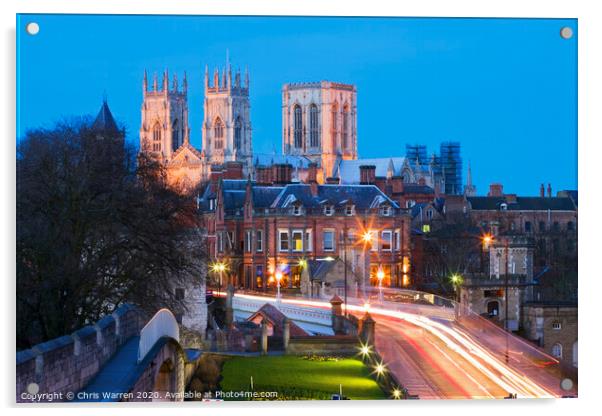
{"x": 96, "y": 227}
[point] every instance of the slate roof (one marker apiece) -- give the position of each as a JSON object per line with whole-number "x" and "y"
{"x": 264, "y": 196}
{"x": 104, "y": 120}
{"x": 362, "y": 196}
{"x": 487, "y": 203}
{"x": 268, "y": 159}
{"x": 318, "y": 269}
{"x": 276, "y": 318}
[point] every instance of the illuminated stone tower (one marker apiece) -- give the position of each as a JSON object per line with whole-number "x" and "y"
{"x": 227, "y": 118}
{"x": 320, "y": 122}
{"x": 164, "y": 126}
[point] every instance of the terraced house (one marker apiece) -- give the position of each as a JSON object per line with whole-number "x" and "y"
{"x": 272, "y": 227}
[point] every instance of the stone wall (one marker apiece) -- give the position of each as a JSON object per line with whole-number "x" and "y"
{"x": 68, "y": 363}
{"x": 345, "y": 345}
{"x": 550, "y": 325}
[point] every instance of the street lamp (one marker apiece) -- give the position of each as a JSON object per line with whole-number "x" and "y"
{"x": 367, "y": 239}
{"x": 278, "y": 276}
{"x": 219, "y": 267}
{"x": 380, "y": 275}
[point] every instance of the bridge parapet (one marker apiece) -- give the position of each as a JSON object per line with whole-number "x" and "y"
{"x": 68, "y": 363}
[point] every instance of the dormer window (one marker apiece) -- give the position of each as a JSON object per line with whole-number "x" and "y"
{"x": 328, "y": 210}
{"x": 297, "y": 210}
{"x": 503, "y": 206}
{"x": 429, "y": 214}
{"x": 349, "y": 210}
{"x": 410, "y": 203}
{"x": 385, "y": 211}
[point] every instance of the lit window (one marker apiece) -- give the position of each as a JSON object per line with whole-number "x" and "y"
{"x": 426, "y": 228}
{"x": 297, "y": 240}
{"x": 328, "y": 240}
{"x": 283, "y": 240}
{"x": 385, "y": 243}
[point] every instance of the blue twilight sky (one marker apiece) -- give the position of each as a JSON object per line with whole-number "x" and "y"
{"x": 505, "y": 88}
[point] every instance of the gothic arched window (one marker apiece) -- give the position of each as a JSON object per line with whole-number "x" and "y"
{"x": 157, "y": 137}
{"x": 237, "y": 133}
{"x": 314, "y": 140}
{"x": 218, "y": 132}
{"x": 298, "y": 126}
{"x": 346, "y": 126}
{"x": 175, "y": 135}
{"x": 335, "y": 110}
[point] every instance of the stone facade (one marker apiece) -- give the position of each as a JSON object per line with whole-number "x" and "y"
{"x": 554, "y": 328}
{"x": 319, "y": 120}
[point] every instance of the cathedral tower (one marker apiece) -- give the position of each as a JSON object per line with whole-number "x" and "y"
{"x": 227, "y": 121}
{"x": 164, "y": 126}
{"x": 320, "y": 122}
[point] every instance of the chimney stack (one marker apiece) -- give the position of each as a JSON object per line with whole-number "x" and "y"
{"x": 542, "y": 191}
{"x": 397, "y": 184}
{"x": 263, "y": 175}
{"x": 496, "y": 189}
{"x": 549, "y": 191}
{"x": 312, "y": 173}
{"x": 367, "y": 174}
{"x": 282, "y": 173}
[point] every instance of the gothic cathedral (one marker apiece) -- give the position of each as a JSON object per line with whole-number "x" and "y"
{"x": 165, "y": 135}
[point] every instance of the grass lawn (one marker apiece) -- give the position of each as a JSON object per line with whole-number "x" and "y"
{"x": 298, "y": 378}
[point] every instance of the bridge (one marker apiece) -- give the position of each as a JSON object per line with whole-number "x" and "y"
{"x": 116, "y": 359}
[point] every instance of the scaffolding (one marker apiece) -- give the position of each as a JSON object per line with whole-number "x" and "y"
{"x": 450, "y": 163}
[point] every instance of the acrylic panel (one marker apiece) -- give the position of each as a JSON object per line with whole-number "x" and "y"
{"x": 295, "y": 208}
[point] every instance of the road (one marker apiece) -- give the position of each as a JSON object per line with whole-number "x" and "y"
{"x": 425, "y": 365}
{"x": 435, "y": 354}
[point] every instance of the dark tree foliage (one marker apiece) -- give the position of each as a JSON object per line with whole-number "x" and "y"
{"x": 96, "y": 227}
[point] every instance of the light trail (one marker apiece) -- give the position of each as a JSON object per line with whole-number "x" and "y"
{"x": 455, "y": 339}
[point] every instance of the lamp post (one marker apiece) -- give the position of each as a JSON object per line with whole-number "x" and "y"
{"x": 380, "y": 275}
{"x": 278, "y": 276}
{"x": 367, "y": 239}
{"x": 457, "y": 281}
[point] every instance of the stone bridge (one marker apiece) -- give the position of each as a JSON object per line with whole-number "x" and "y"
{"x": 117, "y": 359}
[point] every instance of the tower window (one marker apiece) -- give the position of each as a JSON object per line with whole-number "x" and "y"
{"x": 298, "y": 126}
{"x": 313, "y": 126}
{"x": 218, "y": 132}
{"x": 175, "y": 135}
{"x": 157, "y": 137}
{"x": 237, "y": 133}
{"x": 345, "y": 127}
{"x": 335, "y": 110}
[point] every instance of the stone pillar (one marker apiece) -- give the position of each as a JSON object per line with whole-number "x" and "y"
{"x": 264, "y": 337}
{"x": 337, "y": 314}
{"x": 286, "y": 333}
{"x": 229, "y": 318}
{"x": 367, "y": 333}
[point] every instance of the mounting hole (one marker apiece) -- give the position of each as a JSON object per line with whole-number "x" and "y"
{"x": 32, "y": 28}
{"x": 566, "y": 32}
{"x": 566, "y": 384}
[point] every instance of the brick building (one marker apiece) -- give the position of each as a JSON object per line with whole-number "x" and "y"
{"x": 270, "y": 225}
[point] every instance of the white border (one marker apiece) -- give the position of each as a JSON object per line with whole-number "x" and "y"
{"x": 590, "y": 151}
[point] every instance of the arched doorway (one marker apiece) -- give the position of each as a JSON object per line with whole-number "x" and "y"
{"x": 165, "y": 381}
{"x": 493, "y": 309}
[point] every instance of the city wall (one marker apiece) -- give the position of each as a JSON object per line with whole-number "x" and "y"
{"x": 68, "y": 363}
